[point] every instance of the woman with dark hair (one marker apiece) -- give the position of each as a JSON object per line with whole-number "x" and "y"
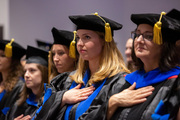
{"x": 60, "y": 58}
{"x": 10, "y": 72}
{"x": 36, "y": 78}
{"x": 154, "y": 53}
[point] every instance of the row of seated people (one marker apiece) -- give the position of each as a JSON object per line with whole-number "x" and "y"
{"x": 84, "y": 76}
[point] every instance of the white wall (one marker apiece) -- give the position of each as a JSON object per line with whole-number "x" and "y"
{"x": 32, "y": 19}
{"x": 4, "y": 17}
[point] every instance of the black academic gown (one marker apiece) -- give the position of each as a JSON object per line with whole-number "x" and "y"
{"x": 24, "y": 109}
{"x": 10, "y": 98}
{"x": 59, "y": 85}
{"x": 59, "y": 82}
{"x": 95, "y": 110}
{"x": 166, "y": 91}
{"x": 27, "y": 108}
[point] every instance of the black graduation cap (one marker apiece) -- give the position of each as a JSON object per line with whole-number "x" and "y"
{"x": 170, "y": 28}
{"x": 94, "y": 22}
{"x": 44, "y": 45}
{"x": 36, "y": 55}
{"x": 62, "y": 37}
{"x": 17, "y": 50}
{"x": 174, "y": 13}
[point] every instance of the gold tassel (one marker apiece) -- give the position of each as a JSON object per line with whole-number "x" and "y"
{"x": 72, "y": 47}
{"x": 157, "y": 36}
{"x": 108, "y": 34}
{"x": 49, "y": 66}
{"x": 8, "y": 48}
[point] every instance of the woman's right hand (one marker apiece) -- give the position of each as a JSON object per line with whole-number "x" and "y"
{"x": 127, "y": 98}
{"x": 130, "y": 97}
{"x": 76, "y": 94}
{"x": 22, "y": 117}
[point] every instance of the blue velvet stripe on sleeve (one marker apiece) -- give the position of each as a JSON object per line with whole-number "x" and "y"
{"x": 160, "y": 112}
{"x": 5, "y": 110}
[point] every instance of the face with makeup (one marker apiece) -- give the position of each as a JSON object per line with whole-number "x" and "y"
{"x": 89, "y": 44}
{"x": 144, "y": 47}
{"x": 61, "y": 59}
{"x": 32, "y": 76}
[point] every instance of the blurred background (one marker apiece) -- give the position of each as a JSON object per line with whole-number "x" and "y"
{"x": 28, "y": 20}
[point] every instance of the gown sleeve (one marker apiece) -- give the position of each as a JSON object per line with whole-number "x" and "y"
{"x": 51, "y": 107}
{"x": 9, "y": 99}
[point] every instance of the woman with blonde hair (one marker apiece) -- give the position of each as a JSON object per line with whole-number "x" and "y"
{"x": 10, "y": 72}
{"x": 100, "y": 69}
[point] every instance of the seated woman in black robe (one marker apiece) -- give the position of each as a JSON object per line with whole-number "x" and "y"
{"x": 61, "y": 61}
{"x": 36, "y": 78}
{"x": 154, "y": 52}
{"x": 11, "y": 72}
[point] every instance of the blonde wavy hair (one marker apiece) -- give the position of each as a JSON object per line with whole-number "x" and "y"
{"x": 111, "y": 63}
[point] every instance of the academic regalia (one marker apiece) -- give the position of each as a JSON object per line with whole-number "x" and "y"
{"x": 104, "y": 88}
{"x": 62, "y": 37}
{"x": 163, "y": 103}
{"x": 43, "y": 45}
{"x": 60, "y": 82}
{"x": 59, "y": 85}
{"x": 27, "y": 108}
{"x": 110, "y": 87}
{"x": 15, "y": 51}
{"x": 10, "y": 98}
{"x": 165, "y": 85}
{"x": 38, "y": 56}
{"x": 174, "y": 13}
{"x": 66, "y": 38}
{"x": 30, "y": 106}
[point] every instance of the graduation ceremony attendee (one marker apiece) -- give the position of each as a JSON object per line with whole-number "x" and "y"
{"x": 10, "y": 72}
{"x": 128, "y": 52}
{"x": 100, "y": 65}
{"x": 175, "y": 14}
{"x": 155, "y": 55}
{"x": 60, "y": 56}
{"x": 62, "y": 63}
{"x": 61, "y": 60}
{"x": 36, "y": 78}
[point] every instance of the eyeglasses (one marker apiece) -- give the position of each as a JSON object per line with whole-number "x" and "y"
{"x": 146, "y": 36}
